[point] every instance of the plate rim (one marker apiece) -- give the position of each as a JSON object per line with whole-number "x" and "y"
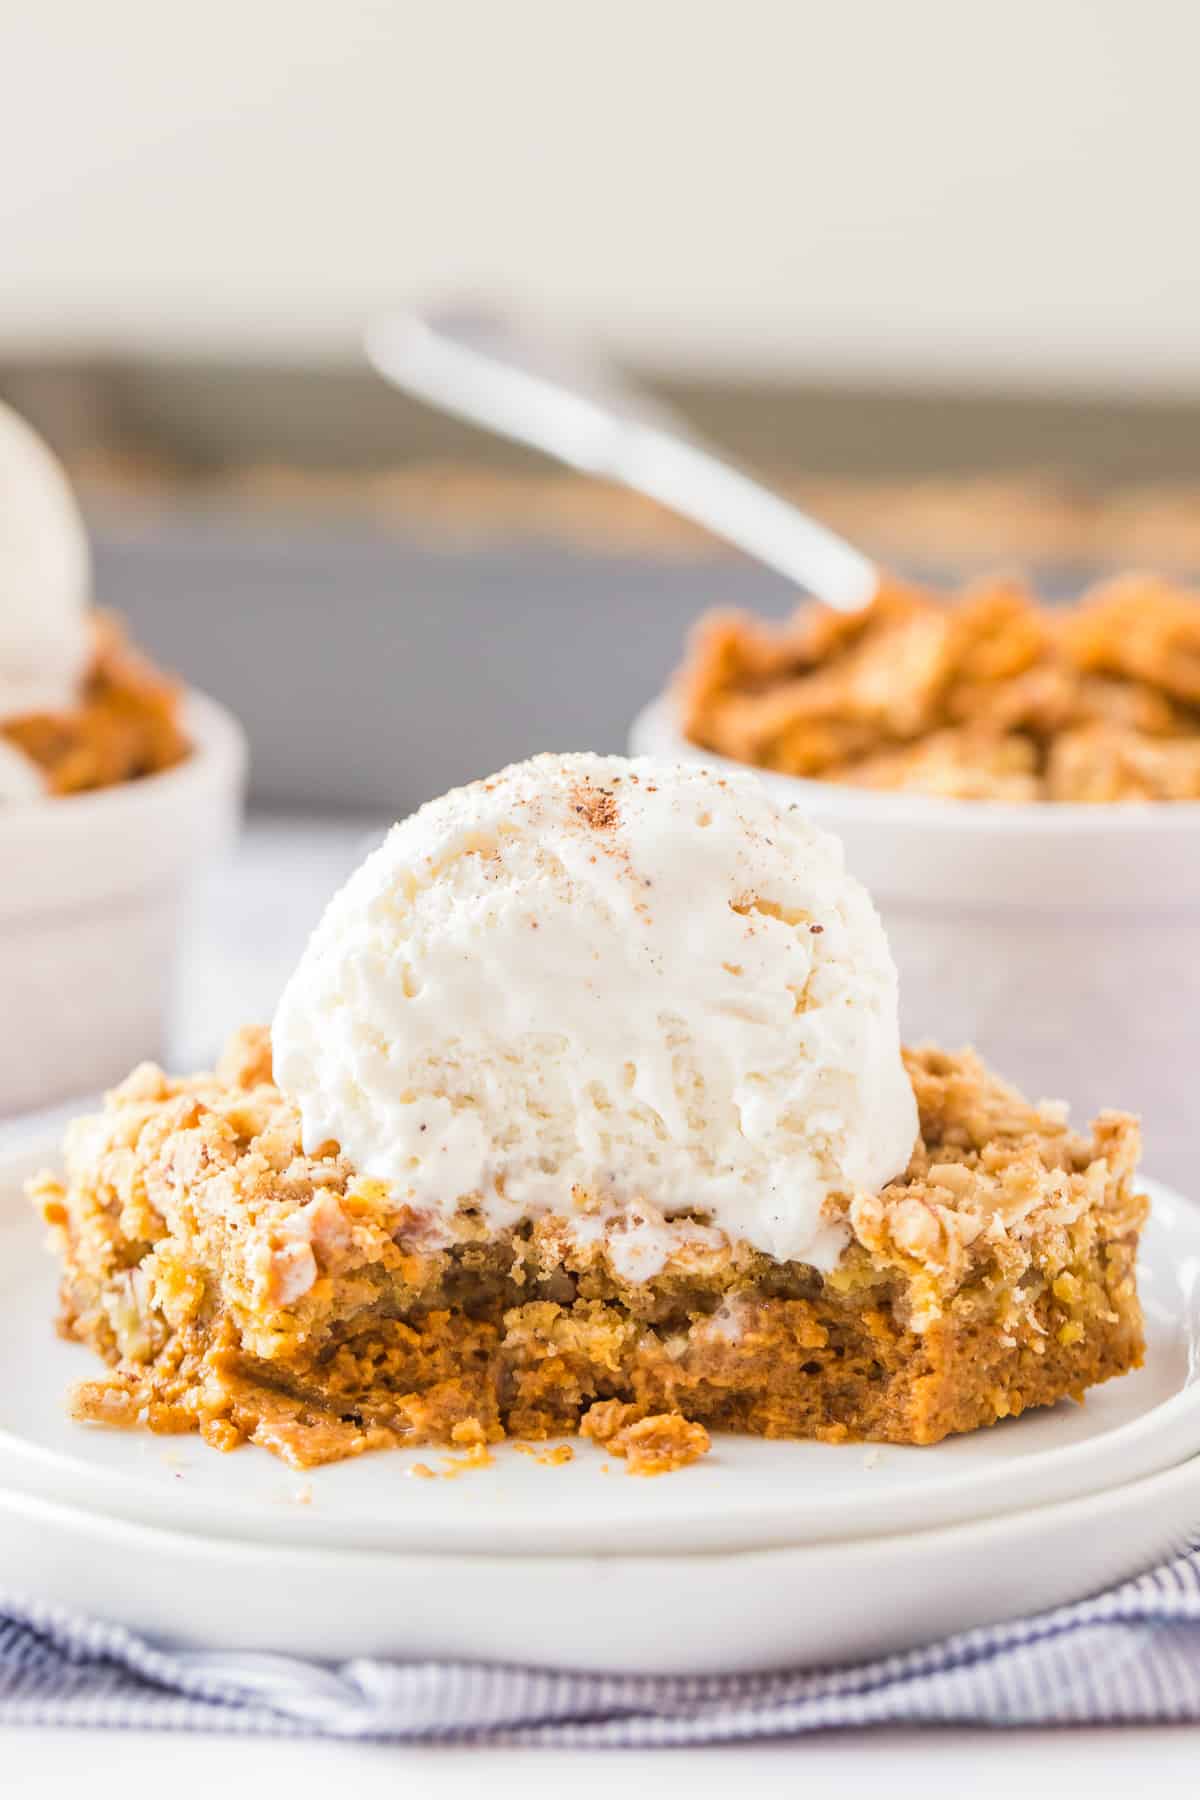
{"x": 1021, "y": 1524}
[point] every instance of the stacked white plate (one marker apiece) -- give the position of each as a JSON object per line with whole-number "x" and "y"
{"x": 764, "y": 1555}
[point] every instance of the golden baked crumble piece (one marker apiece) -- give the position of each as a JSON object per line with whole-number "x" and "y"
{"x": 242, "y": 1288}
{"x": 125, "y": 725}
{"x": 651, "y": 1443}
{"x": 1142, "y": 629}
{"x": 987, "y": 697}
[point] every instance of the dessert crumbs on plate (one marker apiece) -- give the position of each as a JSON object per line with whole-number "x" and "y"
{"x": 478, "y": 1456}
{"x": 651, "y": 1443}
{"x": 550, "y": 1456}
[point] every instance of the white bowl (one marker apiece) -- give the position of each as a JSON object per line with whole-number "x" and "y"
{"x": 91, "y": 888}
{"x": 1063, "y": 941}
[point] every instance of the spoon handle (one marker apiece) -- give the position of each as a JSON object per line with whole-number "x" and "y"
{"x": 701, "y": 486}
{"x": 642, "y": 453}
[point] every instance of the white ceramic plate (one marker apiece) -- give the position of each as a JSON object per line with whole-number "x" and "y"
{"x": 820, "y": 1604}
{"x": 747, "y": 1495}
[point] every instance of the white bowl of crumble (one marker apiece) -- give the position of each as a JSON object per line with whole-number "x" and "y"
{"x": 115, "y": 784}
{"x": 1020, "y": 792}
{"x": 90, "y": 901}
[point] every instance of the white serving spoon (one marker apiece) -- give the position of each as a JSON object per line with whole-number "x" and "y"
{"x": 483, "y": 366}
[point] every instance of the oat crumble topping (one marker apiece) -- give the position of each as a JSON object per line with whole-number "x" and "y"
{"x": 126, "y": 723}
{"x": 986, "y": 697}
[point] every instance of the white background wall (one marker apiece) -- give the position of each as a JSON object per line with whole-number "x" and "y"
{"x": 950, "y": 189}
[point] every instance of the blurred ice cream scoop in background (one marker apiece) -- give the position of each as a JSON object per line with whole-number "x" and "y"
{"x": 45, "y": 583}
{"x": 20, "y": 777}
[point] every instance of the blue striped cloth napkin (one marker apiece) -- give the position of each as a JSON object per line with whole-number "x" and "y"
{"x": 1128, "y": 1656}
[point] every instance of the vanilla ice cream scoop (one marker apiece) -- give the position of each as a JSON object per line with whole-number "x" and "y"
{"x": 592, "y": 983}
{"x": 20, "y": 777}
{"x": 44, "y": 577}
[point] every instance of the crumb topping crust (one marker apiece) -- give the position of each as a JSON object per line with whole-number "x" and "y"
{"x": 985, "y": 697}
